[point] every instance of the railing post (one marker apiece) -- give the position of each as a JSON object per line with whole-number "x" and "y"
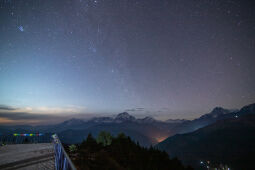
{"x": 62, "y": 160}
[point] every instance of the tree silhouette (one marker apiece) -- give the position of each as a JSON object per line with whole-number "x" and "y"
{"x": 105, "y": 138}
{"x": 121, "y": 153}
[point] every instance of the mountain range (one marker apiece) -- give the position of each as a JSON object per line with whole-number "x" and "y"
{"x": 229, "y": 141}
{"x": 220, "y": 137}
{"x": 147, "y": 131}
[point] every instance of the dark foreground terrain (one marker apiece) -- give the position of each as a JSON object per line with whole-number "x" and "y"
{"x": 119, "y": 153}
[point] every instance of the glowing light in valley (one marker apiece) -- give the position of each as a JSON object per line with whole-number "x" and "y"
{"x": 160, "y": 139}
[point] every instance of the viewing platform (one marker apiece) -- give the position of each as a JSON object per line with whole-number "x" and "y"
{"x": 33, "y": 152}
{"x": 27, "y": 156}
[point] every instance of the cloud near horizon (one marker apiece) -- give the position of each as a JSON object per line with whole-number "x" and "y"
{"x": 44, "y": 109}
{"x": 5, "y": 107}
{"x": 37, "y": 115}
{"x": 138, "y": 109}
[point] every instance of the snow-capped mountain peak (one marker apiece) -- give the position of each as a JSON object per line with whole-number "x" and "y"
{"x": 147, "y": 119}
{"x": 124, "y": 117}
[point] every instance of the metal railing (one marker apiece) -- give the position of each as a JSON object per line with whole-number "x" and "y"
{"x": 62, "y": 160}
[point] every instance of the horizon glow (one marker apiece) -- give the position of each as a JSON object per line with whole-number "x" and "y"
{"x": 173, "y": 59}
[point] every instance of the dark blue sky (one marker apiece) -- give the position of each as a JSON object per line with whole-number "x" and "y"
{"x": 173, "y": 58}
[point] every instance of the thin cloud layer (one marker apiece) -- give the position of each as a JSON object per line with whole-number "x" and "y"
{"x": 5, "y": 107}
{"x": 23, "y": 115}
{"x": 138, "y": 109}
{"x": 9, "y": 114}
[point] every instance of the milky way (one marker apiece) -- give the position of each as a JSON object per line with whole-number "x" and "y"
{"x": 178, "y": 58}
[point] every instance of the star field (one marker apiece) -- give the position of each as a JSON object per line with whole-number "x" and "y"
{"x": 176, "y": 59}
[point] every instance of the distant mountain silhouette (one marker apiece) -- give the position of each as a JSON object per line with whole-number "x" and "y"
{"x": 230, "y": 140}
{"x": 124, "y": 117}
{"x": 148, "y": 131}
{"x": 73, "y": 122}
{"x": 148, "y": 119}
{"x": 216, "y": 114}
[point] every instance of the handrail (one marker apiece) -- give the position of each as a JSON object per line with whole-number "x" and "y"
{"x": 62, "y": 160}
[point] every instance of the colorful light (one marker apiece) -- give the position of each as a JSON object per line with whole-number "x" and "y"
{"x": 28, "y": 134}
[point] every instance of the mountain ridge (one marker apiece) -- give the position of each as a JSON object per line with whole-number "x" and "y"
{"x": 153, "y": 130}
{"x": 227, "y": 141}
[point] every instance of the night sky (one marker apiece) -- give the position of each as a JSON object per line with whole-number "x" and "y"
{"x": 165, "y": 58}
